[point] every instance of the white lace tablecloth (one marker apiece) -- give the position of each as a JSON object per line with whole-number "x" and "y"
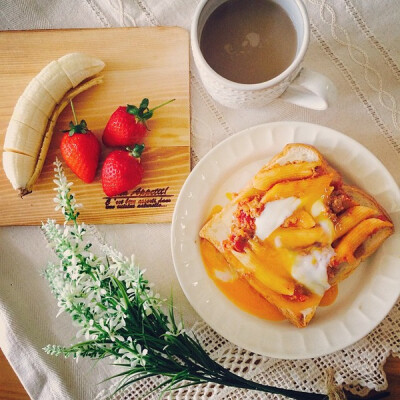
{"x": 356, "y": 44}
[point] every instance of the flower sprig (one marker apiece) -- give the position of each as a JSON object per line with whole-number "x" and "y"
{"x": 120, "y": 316}
{"x": 65, "y": 199}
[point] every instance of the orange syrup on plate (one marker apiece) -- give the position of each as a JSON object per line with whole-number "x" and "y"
{"x": 238, "y": 290}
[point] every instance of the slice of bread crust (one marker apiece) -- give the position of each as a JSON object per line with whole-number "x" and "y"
{"x": 218, "y": 229}
{"x": 373, "y": 242}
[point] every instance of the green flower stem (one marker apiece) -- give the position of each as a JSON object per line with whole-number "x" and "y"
{"x": 233, "y": 380}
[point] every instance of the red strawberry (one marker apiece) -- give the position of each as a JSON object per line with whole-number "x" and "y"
{"x": 81, "y": 151}
{"x": 122, "y": 170}
{"x": 127, "y": 125}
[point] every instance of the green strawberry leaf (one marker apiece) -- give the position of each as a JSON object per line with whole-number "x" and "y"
{"x": 78, "y": 128}
{"x": 130, "y": 109}
{"x": 137, "y": 150}
{"x": 144, "y": 104}
{"x": 143, "y": 113}
{"x": 147, "y": 115}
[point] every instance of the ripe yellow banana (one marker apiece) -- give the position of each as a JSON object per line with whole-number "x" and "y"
{"x": 31, "y": 126}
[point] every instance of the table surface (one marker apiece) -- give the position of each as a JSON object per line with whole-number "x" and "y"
{"x": 11, "y": 388}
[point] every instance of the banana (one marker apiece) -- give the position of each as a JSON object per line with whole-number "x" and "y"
{"x": 30, "y": 129}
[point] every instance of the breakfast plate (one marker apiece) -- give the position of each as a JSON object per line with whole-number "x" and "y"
{"x": 364, "y": 299}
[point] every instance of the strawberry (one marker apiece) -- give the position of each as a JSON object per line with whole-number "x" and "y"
{"x": 81, "y": 151}
{"x": 122, "y": 170}
{"x": 127, "y": 125}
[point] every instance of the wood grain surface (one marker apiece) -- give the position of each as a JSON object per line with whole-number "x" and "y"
{"x": 12, "y": 389}
{"x": 140, "y": 62}
{"x": 10, "y": 386}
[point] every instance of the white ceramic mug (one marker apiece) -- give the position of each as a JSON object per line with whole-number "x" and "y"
{"x": 295, "y": 84}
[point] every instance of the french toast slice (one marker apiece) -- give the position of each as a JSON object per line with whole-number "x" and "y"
{"x": 296, "y": 229}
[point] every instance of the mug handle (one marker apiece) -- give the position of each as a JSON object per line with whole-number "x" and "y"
{"x": 310, "y": 89}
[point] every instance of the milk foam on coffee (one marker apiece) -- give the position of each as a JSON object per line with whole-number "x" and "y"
{"x": 249, "y": 41}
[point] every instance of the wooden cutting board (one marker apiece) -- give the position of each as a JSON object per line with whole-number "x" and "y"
{"x": 140, "y": 62}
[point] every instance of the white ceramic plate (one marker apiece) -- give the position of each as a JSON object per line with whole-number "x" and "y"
{"x": 364, "y": 298}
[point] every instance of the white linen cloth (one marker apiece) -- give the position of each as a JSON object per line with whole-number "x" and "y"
{"x": 356, "y": 44}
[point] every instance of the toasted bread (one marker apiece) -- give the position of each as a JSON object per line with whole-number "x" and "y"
{"x": 295, "y": 230}
{"x": 373, "y": 242}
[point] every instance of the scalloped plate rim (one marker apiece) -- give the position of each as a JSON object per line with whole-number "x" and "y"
{"x": 185, "y": 254}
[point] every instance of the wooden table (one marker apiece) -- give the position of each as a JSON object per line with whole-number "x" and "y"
{"x": 11, "y": 388}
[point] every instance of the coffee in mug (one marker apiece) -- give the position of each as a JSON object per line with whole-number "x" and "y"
{"x": 250, "y": 52}
{"x": 249, "y": 41}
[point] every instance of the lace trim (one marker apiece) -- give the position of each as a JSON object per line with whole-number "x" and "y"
{"x": 384, "y": 130}
{"x": 193, "y": 157}
{"x": 123, "y": 15}
{"x": 100, "y": 16}
{"x": 360, "y": 57}
{"x": 210, "y": 104}
{"x": 372, "y": 39}
{"x": 146, "y": 11}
